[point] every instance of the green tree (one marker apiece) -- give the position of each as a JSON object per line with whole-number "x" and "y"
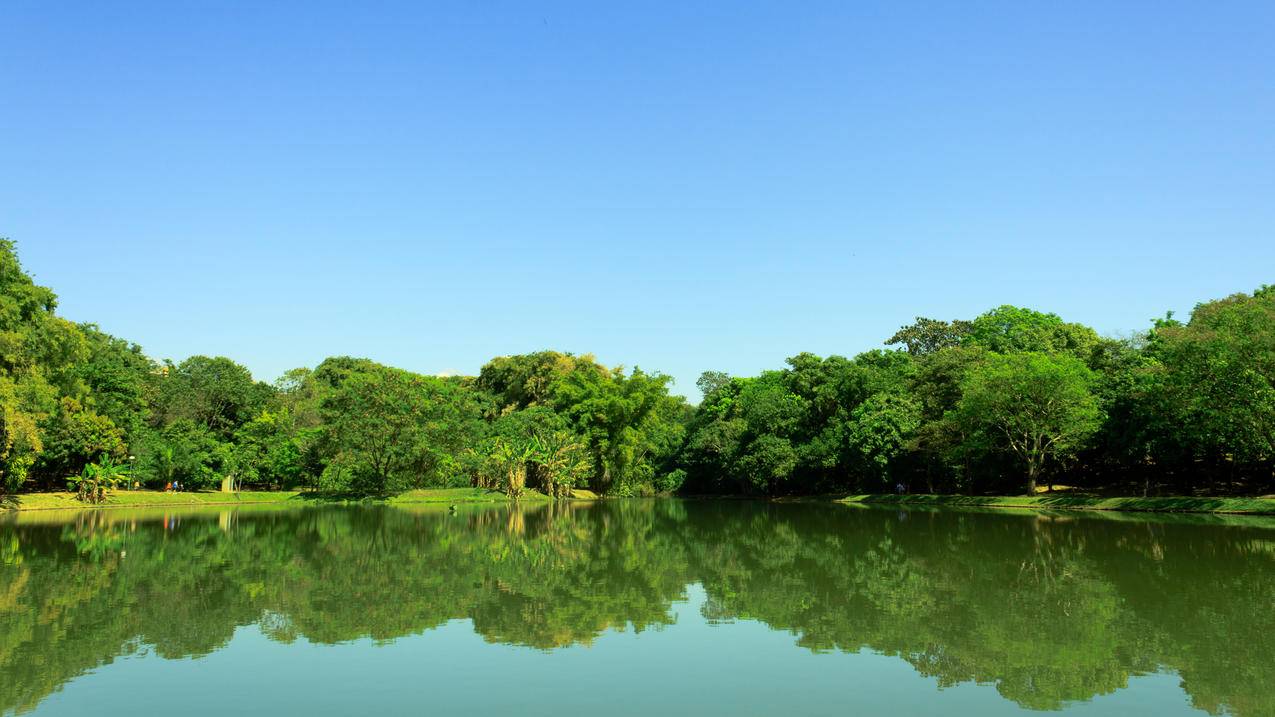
{"x": 881, "y": 429}
{"x": 1213, "y": 387}
{"x": 388, "y": 429}
{"x": 184, "y": 451}
{"x": 1011, "y": 329}
{"x": 214, "y": 392}
{"x": 1038, "y": 407}
{"x": 621, "y": 421}
{"x": 767, "y": 463}
{"x": 925, "y": 336}
{"x": 118, "y": 379}
{"x": 527, "y": 380}
{"x": 38, "y": 352}
{"x": 20, "y": 443}
{"x": 75, "y": 435}
{"x": 271, "y": 451}
{"x": 96, "y": 480}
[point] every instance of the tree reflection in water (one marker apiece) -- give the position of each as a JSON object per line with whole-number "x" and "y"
{"x": 1049, "y": 609}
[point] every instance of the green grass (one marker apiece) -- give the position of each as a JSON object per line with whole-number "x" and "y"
{"x": 143, "y": 498}
{"x": 1254, "y": 506}
{"x": 147, "y": 498}
{"x": 462, "y": 495}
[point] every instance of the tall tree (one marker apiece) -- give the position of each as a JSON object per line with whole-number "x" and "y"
{"x": 1012, "y": 329}
{"x": 1214, "y": 380}
{"x": 925, "y": 336}
{"x": 214, "y": 392}
{"x": 389, "y": 429}
{"x": 1038, "y": 407}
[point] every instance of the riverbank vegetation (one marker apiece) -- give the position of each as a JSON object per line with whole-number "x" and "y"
{"x": 1063, "y": 501}
{"x": 1001, "y": 403}
{"x": 154, "y": 498}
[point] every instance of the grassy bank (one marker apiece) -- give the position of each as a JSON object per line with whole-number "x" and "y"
{"x": 153, "y": 498}
{"x": 1252, "y": 506}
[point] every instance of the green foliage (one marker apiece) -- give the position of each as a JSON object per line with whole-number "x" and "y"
{"x": 766, "y": 463}
{"x": 273, "y": 451}
{"x": 75, "y": 434}
{"x": 119, "y": 381}
{"x": 528, "y": 380}
{"x": 926, "y": 336}
{"x": 215, "y": 393}
{"x": 96, "y": 481}
{"x": 820, "y": 425}
{"x": 20, "y": 443}
{"x": 559, "y": 461}
{"x": 1214, "y": 382}
{"x": 1038, "y": 407}
{"x": 387, "y": 430}
{"x": 670, "y": 482}
{"x": 185, "y": 452}
{"x": 1012, "y": 329}
{"x": 1006, "y": 399}
{"x": 880, "y": 430}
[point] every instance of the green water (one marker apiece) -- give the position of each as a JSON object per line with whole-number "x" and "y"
{"x": 634, "y": 608}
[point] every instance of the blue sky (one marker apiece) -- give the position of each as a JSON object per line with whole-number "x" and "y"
{"x": 680, "y": 186}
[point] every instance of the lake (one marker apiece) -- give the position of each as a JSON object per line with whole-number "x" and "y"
{"x": 634, "y": 607}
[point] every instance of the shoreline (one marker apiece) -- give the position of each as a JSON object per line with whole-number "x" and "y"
{"x": 1174, "y": 504}
{"x": 62, "y": 500}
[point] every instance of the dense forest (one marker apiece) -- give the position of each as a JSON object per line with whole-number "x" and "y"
{"x": 1009, "y": 401}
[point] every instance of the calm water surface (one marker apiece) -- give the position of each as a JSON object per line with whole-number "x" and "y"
{"x": 634, "y": 608}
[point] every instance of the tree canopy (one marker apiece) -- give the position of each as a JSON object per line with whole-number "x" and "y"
{"x": 1000, "y": 402}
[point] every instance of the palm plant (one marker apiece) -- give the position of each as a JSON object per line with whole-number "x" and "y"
{"x": 97, "y": 479}
{"x": 510, "y": 462}
{"x": 560, "y": 459}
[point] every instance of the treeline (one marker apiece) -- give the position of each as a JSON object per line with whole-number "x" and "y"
{"x": 1006, "y": 401}
{"x": 75, "y": 398}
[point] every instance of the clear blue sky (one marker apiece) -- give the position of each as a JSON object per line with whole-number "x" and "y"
{"x": 681, "y": 186}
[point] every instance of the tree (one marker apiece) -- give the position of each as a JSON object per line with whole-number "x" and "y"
{"x": 559, "y": 460}
{"x": 767, "y": 463}
{"x": 1214, "y": 383}
{"x": 1011, "y": 329}
{"x": 75, "y": 435}
{"x": 619, "y": 417}
{"x": 388, "y": 429}
{"x": 270, "y": 450}
{"x": 1038, "y": 407}
{"x": 97, "y": 480}
{"x": 925, "y": 336}
{"x": 936, "y": 388}
{"x": 710, "y": 382}
{"x": 184, "y": 451}
{"x": 214, "y": 392}
{"x": 118, "y": 381}
{"x": 880, "y": 431}
{"x": 37, "y": 351}
{"x": 20, "y": 443}
{"x": 528, "y": 380}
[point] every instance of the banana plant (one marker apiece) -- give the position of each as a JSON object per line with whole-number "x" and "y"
{"x": 511, "y": 462}
{"x": 97, "y": 479}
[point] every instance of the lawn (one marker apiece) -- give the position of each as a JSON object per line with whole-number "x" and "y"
{"x": 145, "y": 498}
{"x": 1260, "y": 506}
